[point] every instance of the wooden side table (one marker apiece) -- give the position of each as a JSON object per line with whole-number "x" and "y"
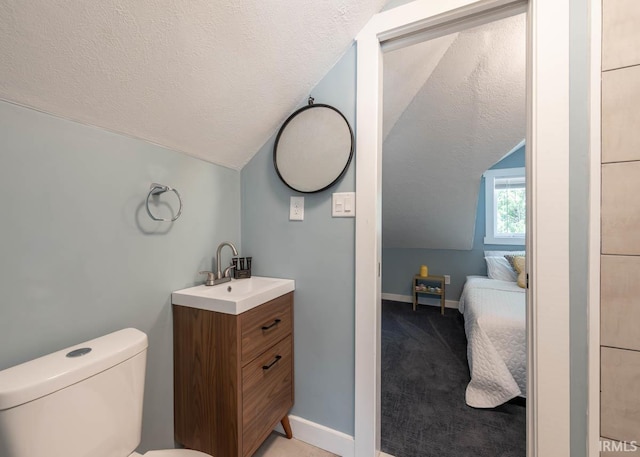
{"x": 432, "y": 281}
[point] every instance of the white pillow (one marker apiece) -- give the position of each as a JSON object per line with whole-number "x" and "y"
{"x": 502, "y": 253}
{"x": 497, "y": 268}
{"x": 500, "y": 268}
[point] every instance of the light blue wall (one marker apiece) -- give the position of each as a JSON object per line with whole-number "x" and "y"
{"x": 394, "y": 3}
{"x": 79, "y": 257}
{"x": 319, "y": 254}
{"x": 399, "y": 265}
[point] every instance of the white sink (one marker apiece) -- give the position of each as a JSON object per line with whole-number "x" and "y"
{"x": 235, "y": 296}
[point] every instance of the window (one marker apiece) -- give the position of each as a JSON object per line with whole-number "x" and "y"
{"x": 505, "y": 203}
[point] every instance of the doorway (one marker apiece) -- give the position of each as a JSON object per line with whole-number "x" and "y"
{"x": 454, "y": 108}
{"x": 547, "y": 137}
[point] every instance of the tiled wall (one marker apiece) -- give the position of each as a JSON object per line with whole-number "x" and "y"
{"x": 620, "y": 261}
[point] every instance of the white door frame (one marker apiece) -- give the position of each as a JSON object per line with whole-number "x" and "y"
{"x": 595, "y": 159}
{"x": 548, "y": 407}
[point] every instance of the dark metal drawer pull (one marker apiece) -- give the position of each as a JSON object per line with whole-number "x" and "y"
{"x": 266, "y": 367}
{"x": 267, "y": 327}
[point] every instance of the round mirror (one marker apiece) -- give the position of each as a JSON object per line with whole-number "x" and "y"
{"x": 313, "y": 148}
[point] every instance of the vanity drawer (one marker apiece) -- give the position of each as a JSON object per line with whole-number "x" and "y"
{"x": 267, "y": 393}
{"x": 265, "y": 325}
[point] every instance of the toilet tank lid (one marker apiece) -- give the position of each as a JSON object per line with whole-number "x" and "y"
{"x": 39, "y": 377}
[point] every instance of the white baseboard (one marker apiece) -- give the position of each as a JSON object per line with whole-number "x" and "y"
{"x": 321, "y": 437}
{"x": 384, "y": 454}
{"x": 428, "y": 301}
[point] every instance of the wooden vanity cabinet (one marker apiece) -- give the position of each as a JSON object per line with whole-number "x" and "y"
{"x": 233, "y": 376}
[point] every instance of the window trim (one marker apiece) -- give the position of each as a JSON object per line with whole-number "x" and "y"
{"x": 489, "y": 204}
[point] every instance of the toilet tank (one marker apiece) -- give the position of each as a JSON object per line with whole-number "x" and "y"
{"x": 76, "y": 402}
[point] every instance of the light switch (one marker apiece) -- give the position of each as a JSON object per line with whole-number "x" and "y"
{"x": 296, "y": 209}
{"x": 348, "y": 204}
{"x": 343, "y": 204}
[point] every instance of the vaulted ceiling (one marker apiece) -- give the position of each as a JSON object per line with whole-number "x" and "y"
{"x": 215, "y": 80}
{"x": 212, "y": 79}
{"x": 466, "y": 115}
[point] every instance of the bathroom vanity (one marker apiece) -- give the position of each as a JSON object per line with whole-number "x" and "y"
{"x": 233, "y": 364}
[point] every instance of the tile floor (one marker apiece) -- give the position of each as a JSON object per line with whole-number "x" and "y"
{"x": 279, "y": 446}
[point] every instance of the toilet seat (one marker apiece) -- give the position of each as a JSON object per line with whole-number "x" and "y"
{"x": 172, "y": 453}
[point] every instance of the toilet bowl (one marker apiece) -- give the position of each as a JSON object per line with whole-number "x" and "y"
{"x": 83, "y": 400}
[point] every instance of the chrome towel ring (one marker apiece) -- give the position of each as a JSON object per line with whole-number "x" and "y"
{"x": 157, "y": 189}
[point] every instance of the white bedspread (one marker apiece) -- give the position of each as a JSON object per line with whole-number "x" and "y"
{"x": 494, "y": 321}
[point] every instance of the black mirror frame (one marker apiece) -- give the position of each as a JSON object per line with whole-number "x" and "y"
{"x": 289, "y": 119}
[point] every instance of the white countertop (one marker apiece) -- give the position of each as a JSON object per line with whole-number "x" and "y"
{"x": 235, "y": 296}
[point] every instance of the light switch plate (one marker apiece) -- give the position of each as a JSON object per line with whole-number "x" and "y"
{"x": 296, "y": 209}
{"x": 343, "y": 204}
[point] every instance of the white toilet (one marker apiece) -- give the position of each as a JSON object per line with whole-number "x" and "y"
{"x": 84, "y": 401}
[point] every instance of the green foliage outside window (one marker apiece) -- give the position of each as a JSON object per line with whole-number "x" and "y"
{"x": 511, "y": 211}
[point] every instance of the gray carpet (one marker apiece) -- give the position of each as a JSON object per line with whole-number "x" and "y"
{"x": 424, "y": 376}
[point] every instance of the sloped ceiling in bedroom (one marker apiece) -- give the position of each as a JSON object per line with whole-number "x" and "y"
{"x": 212, "y": 79}
{"x": 466, "y": 116}
{"x": 406, "y": 71}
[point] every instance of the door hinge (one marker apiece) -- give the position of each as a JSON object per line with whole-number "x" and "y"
{"x": 527, "y": 280}
{"x": 379, "y": 269}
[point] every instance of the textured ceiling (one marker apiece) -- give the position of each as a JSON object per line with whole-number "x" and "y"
{"x": 212, "y": 79}
{"x": 405, "y": 72}
{"x": 467, "y": 115}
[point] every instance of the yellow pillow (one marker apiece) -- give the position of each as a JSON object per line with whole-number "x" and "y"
{"x": 519, "y": 264}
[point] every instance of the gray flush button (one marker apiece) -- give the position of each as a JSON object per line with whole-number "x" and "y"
{"x": 79, "y": 352}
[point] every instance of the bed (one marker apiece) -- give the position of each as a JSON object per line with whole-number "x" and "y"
{"x": 495, "y": 323}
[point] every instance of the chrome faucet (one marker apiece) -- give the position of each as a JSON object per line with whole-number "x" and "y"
{"x": 218, "y": 277}
{"x": 226, "y": 272}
